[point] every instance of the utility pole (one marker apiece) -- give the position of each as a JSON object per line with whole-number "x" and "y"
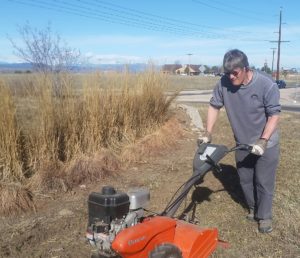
{"x": 189, "y": 65}
{"x": 278, "y": 50}
{"x": 279, "y": 41}
{"x": 273, "y": 48}
{"x": 265, "y": 65}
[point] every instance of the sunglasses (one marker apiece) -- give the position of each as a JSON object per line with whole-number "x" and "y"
{"x": 234, "y": 73}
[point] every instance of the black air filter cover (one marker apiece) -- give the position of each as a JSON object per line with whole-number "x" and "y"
{"x": 107, "y": 205}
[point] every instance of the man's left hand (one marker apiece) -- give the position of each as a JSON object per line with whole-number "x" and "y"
{"x": 259, "y": 147}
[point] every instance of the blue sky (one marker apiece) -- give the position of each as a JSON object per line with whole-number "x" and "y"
{"x": 160, "y": 31}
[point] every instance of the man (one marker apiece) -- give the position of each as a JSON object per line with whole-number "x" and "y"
{"x": 251, "y": 100}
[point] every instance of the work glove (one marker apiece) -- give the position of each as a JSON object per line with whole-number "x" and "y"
{"x": 204, "y": 138}
{"x": 259, "y": 147}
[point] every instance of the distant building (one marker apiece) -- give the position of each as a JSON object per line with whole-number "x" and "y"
{"x": 289, "y": 71}
{"x": 181, "y": 69}
{"x": 170, "y": 68}
{"x": 189, "y": 70}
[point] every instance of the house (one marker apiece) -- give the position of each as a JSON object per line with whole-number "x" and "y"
{"x": 170, "y": 68}
{"x": 189, "y": 70}
{"x": 181, "y": 70}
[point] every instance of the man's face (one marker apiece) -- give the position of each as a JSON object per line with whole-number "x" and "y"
{"x": 237, "y": 76}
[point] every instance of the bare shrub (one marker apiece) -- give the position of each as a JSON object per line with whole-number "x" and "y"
{"x": 45, "y": 50}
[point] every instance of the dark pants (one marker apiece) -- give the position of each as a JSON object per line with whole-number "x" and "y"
{"x": 257, "y": 179}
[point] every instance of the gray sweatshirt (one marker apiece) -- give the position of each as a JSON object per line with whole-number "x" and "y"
{"x": 248, "y": 106}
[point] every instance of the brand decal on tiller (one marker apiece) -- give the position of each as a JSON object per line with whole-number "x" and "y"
{"x": 134, "y": 241}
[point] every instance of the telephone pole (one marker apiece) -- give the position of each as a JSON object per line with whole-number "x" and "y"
{"x": 273, "y": 48}
{"x": 189, "y": 66}
{"x": 279, "y": 41}
{"x": 265, "y": 65}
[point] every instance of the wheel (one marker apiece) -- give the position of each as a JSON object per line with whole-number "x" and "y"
{"x": 165, "y": 251}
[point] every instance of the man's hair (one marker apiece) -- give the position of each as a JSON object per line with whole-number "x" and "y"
{"x": 234, "y": 59}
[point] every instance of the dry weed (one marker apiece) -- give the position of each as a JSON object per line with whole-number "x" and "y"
{"x": 48, "y": 178}
{"x": 10, "y": 152}
{"x": 154, "y": 142}
{"x": 55, "y": 128}
{"x": 88, "y": 169}
{"x": 15, "y": 199}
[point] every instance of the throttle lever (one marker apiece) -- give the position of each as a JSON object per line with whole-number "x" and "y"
{"x": 213, "y": 164}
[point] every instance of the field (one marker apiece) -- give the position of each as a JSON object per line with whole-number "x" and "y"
{"x": 161, "y": 160}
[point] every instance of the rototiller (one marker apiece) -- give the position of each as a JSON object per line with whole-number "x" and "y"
{"x": 118, "y": 227}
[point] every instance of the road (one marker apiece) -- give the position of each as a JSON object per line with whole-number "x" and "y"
{"x": 289, "y": 98}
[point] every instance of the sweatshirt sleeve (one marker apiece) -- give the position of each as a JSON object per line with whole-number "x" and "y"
{"x": 217, "y": 100}
{"x": 271, "y": 100}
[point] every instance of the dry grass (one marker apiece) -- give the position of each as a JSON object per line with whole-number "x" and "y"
{"x": 80, "y": 170}
{"x": 15, "y": 199}
{"x": 92, "y": 168}
{"x": 54, "y": 129}
{"x": 10, "y": 163}
{"x": 192, "y": 82}
{"x": 158, "y": 141}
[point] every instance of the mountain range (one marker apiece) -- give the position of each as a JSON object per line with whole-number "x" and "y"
{"x": 26, "y": 67}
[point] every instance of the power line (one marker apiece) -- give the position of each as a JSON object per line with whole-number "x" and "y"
{"x": 104, "y": 17}
{"x": 129, "y": 17}
{"x": 164, "y": 19}
{"x": 228, "y": 10}
{"x": 238, "y": 8}
{"x": 119, "y": 19}
{"x": 157, "y": 20}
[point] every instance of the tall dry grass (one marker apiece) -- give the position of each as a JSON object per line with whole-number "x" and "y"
{"x": 50, "y": 124}
{"x": 10, "y": 159}
{"x": 15, "y": 197}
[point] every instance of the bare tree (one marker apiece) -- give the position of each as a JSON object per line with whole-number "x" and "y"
{"x": 45, "y": 50}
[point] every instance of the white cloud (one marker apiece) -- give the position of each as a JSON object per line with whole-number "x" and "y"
{"x": 10, "y": 58}
{"x": 113, "y": 59}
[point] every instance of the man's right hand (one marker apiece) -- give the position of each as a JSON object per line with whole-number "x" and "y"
{"x": 205, "y": 137}
{"x": 259, "y": 147}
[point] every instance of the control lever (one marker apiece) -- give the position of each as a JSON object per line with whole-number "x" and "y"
{"x": 213, "y": 164}
{"x": 245, "y": 147}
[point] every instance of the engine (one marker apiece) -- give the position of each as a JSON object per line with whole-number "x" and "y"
{"x": 110, "y": 212}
